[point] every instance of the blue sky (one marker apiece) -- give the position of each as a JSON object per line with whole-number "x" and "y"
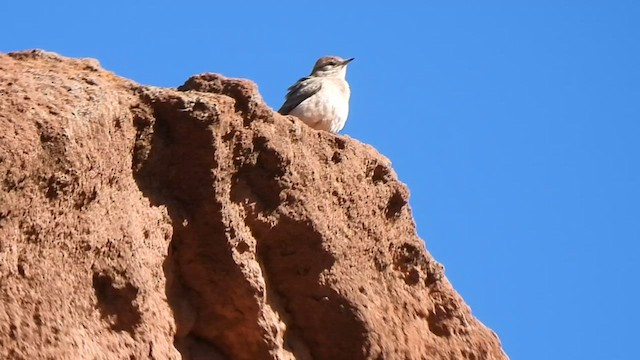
{"x": 516, "y": 125}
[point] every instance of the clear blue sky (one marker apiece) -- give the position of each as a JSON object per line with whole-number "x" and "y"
{"x": 516, "y": 125}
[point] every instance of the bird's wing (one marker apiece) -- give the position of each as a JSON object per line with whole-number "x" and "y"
{"x": 299, "y": 92}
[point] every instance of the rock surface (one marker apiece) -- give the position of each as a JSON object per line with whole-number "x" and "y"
{"x": 139, "y": 222}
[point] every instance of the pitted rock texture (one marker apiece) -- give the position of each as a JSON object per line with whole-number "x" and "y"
{"x": 138, "y": 222}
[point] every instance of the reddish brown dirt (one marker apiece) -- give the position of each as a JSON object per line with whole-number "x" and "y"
{"x": 139, "y": 222}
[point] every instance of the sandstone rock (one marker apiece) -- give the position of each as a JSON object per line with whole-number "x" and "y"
{"x": 139, "y": 222}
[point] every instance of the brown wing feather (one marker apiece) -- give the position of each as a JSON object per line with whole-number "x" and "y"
{"x": 299, "y": 92}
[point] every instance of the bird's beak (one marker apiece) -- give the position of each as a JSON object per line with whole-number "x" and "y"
{"x": 348, "y": 61}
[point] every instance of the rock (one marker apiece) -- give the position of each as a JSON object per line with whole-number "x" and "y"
{"x": 197, "y": 223}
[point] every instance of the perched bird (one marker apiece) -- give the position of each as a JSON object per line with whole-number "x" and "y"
{"x": 321, "y": 99}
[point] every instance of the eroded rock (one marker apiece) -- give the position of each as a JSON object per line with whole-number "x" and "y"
{"x": 197, "y": 223}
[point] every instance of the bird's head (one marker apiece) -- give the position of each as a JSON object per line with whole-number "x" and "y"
{"x": 331, "y": 66}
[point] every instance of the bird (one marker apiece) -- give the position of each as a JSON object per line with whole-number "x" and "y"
{"x": 321, "y": 100}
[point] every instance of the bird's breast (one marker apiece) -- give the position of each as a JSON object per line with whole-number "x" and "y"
{"x": 327, "y": 109}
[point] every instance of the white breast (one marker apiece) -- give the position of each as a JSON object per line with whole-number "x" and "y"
{"x": 327, "y": 109}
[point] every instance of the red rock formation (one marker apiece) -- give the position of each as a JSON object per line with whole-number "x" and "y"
{"x": 139, "y": 222}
